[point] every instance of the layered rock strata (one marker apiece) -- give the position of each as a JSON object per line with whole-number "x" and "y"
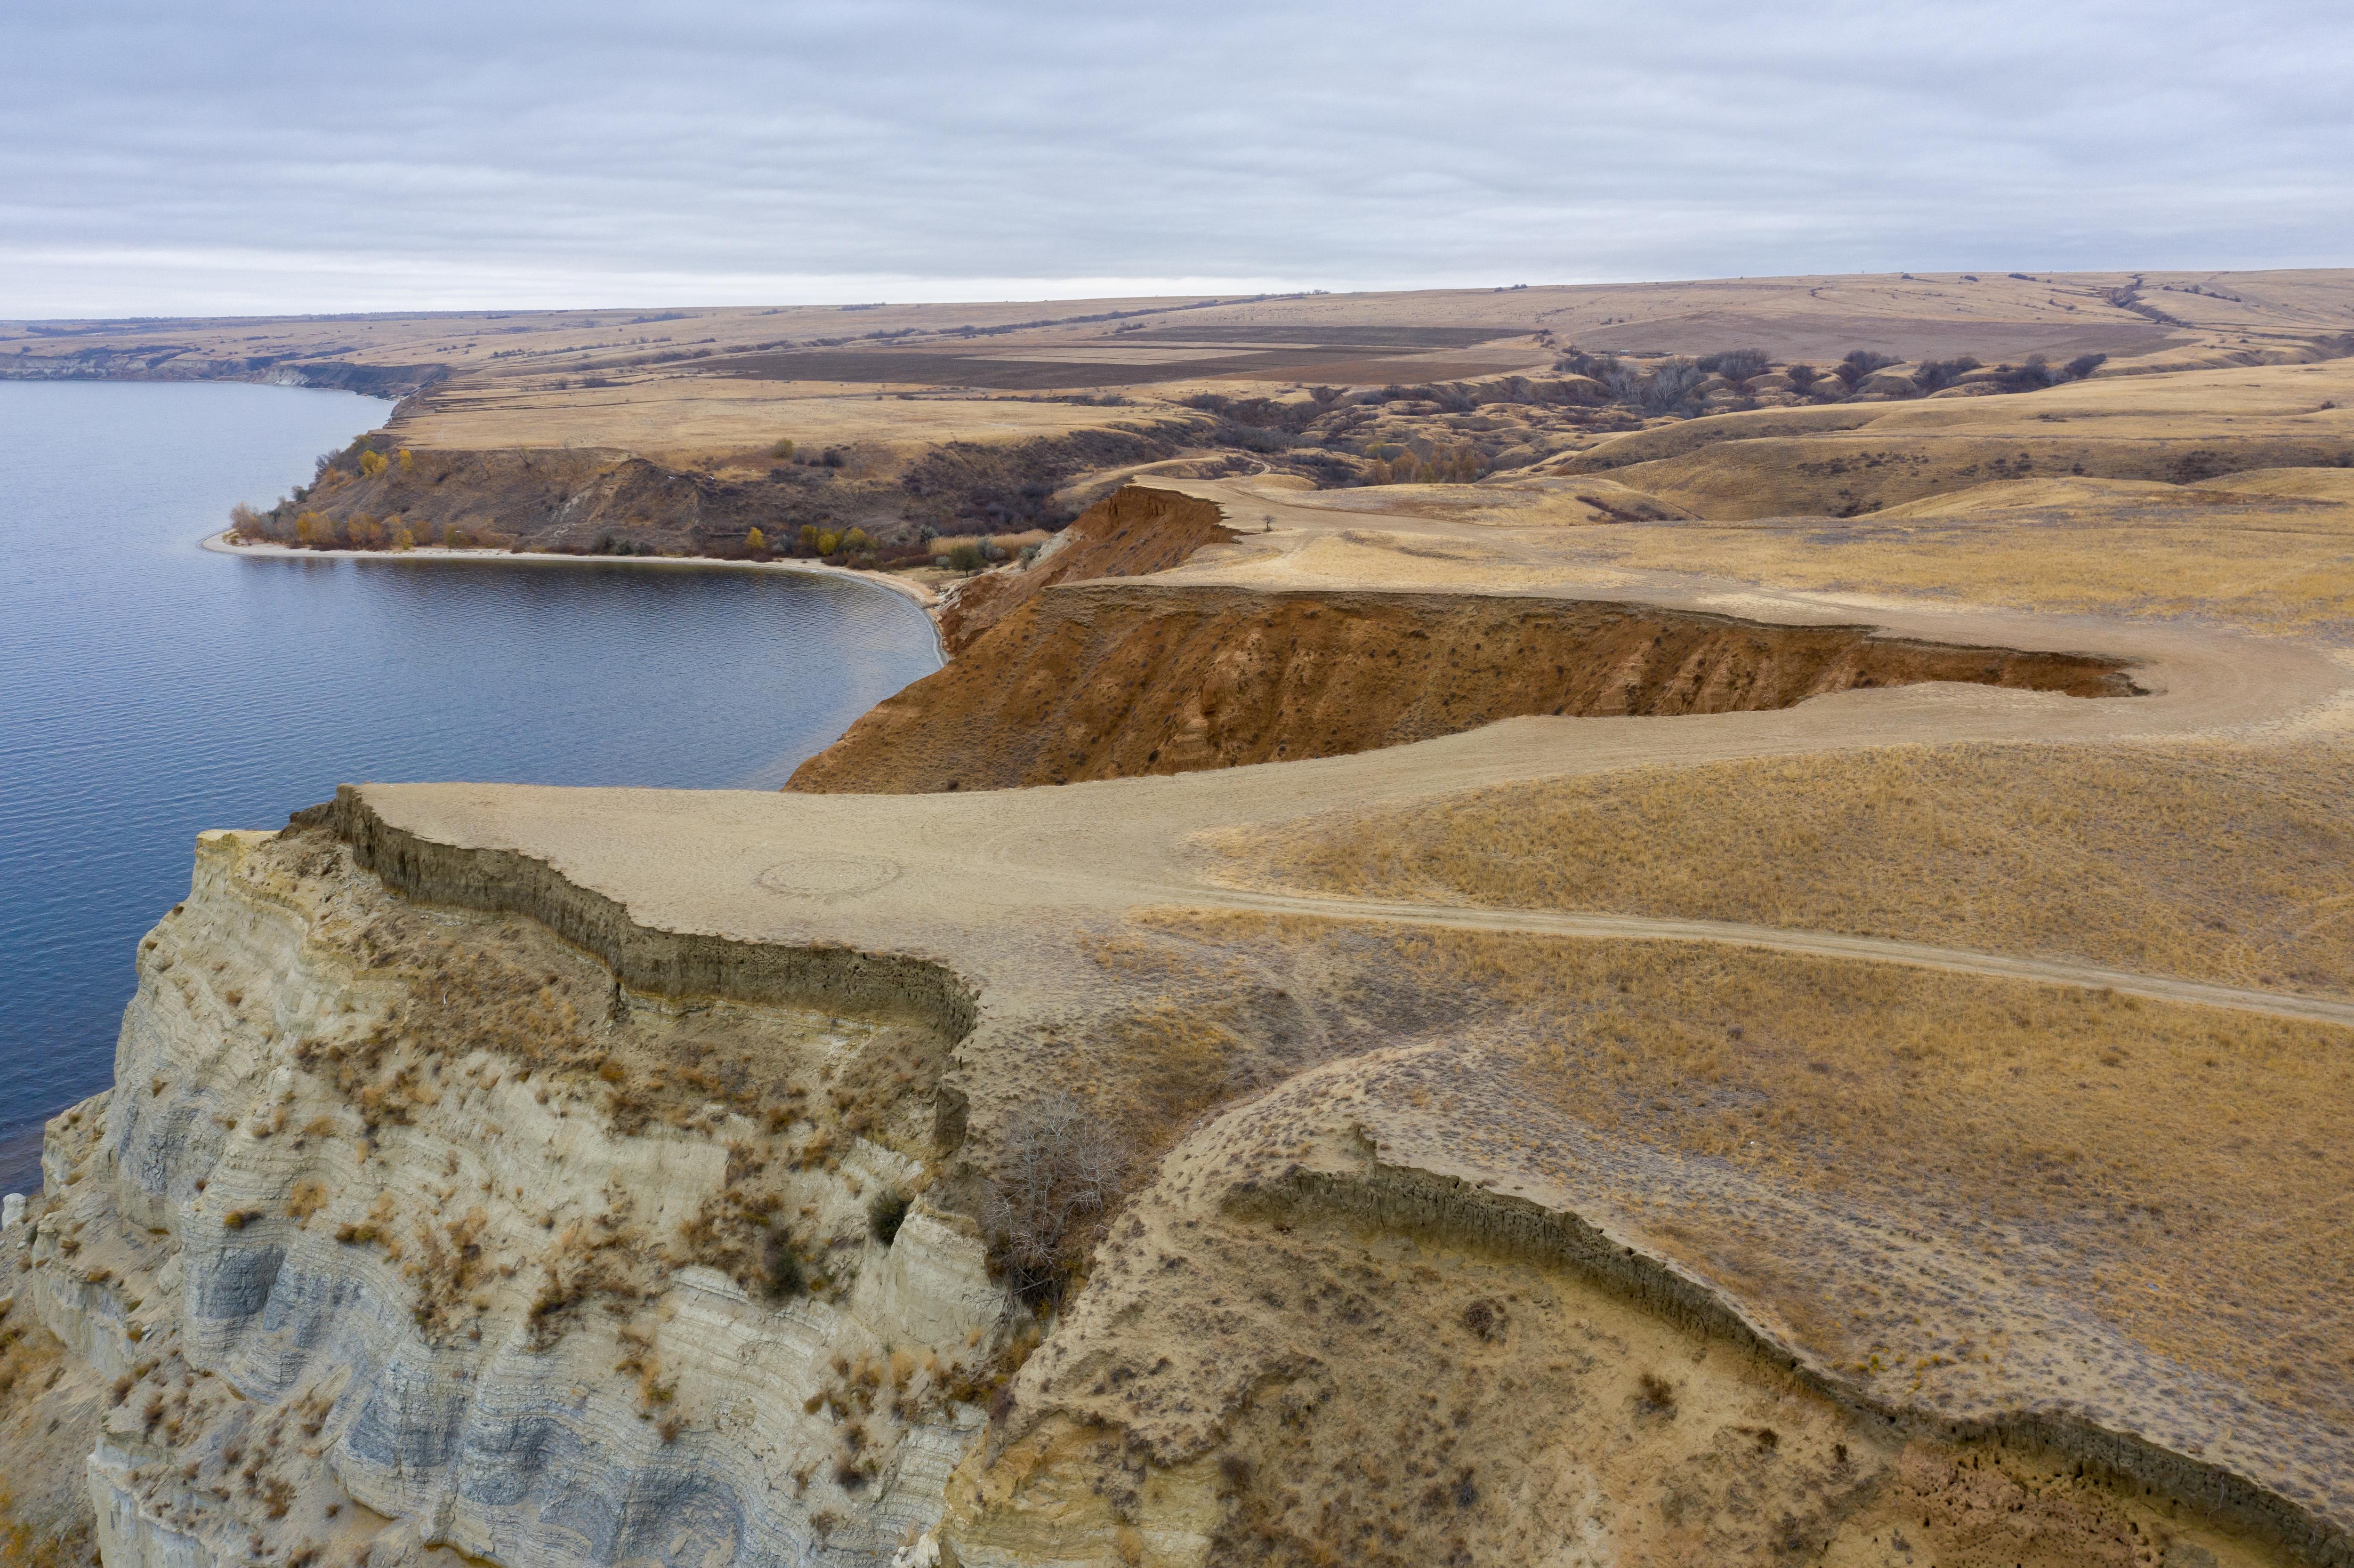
{"x": 417, "y": 1228}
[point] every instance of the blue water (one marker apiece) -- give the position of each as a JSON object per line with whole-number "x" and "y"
{"x": 149, "y": 689}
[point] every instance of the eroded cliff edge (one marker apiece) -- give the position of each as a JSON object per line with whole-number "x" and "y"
{"x": 414, "y": 1226}
{"x": 469, "y": 1214}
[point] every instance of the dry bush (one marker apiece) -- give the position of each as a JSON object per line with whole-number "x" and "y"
{"x": 308, "y": 1197}
{"x": 886, "y": 1214}
{"x": 738, "y": 1231}
{"x": 1058, "y": 1174}
{"x": 2224, "y": 864}
{"x": 450, "y": 1266}
{"x": 605, "y": 1257}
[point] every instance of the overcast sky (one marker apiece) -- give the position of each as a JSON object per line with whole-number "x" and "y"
{"x": 245, "y": 156}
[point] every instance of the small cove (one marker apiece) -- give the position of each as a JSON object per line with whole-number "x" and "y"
{"x": 150, "y": 689}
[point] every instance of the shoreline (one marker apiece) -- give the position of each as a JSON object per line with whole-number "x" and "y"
{"x": 922, "y": 598}
{"x": 221, "y": 544}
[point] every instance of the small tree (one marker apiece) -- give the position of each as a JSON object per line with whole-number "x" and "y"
{"x": 811, "y": 538}
{"x": 782, "y": 452}
{"x": 756, "y": 542}
{"x": 402, "y": 539}
{"x": 407, "y": 461}
{"x": 2083, "y": 364}
{"x": 964, "y": 556}
{"x": 827, "y": 544}
{"x": 372, "y": 463}
{"x": 856, "y": 540}
{"x": 1802, "y": 377}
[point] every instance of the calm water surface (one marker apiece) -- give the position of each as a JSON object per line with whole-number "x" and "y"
{"x": 149, "y": 690}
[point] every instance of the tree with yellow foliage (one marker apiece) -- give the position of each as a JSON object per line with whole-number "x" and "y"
{"x": 756, "y": 542}
{"x": 372, "y": 464}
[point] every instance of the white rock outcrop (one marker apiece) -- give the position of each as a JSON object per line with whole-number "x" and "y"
{"x": 357, "y": 1305}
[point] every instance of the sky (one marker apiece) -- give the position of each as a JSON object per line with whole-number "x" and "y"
{"x": 244, "y": 156}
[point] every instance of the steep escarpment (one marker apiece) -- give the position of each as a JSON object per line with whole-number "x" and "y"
{"x": 381, "y": 494}
{"x": 176, "y": 362}
{"x": 574, "y": 501}
{"x": 409, "y": 1227}
{"x": 1107, "y": 682}
{"x": 1134, "y": 531}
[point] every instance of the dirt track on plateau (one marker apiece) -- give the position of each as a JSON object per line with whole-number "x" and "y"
{"x": 1810, "y": 944}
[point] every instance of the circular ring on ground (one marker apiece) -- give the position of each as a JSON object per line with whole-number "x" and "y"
{"x": 830, "y": 875}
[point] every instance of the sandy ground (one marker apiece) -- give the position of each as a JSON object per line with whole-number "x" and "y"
{"x": 944, "y": 865}
{"x": 220, "y": 544}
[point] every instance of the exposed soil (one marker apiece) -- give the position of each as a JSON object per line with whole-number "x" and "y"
{"x": 1129, "y": 534}
{"x": 576, "y": 501}
{"x": 595, "y": 502}
{"x": 1108, "y": 682}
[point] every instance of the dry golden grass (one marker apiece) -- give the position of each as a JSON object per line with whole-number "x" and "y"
{"x": 727, "y": 426}
{"x": 2210, "y": 861}
{"x": 2273, "y": 565}
{"x": 2177, "y": 1171}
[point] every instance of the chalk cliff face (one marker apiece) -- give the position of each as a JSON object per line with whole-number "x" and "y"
{"x": 415, "y": 1229}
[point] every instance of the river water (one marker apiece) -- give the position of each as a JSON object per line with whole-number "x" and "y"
{"x": 149, "y": 689}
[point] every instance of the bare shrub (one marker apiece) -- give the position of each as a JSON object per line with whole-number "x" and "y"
{"x": 1672, "y": 387}
{"x": 1859, "y": 363}
{"x": 2032, "y": 376}
{"x": 1736, "y": 365}
{"x": 1057, "y": 1176}
{"x": 1936, "y": 375}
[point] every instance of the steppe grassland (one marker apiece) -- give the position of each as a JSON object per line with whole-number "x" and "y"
{"x": 719, "y": 424}
{"x": 2212, "y": 861}
{"x": 1681, "y": 317}
{"x": 2277, "y": 560}
{"x": 2179, "y": 1168}
{"x": 2269, "y": 561}
{"x": 1973, "y": 498}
